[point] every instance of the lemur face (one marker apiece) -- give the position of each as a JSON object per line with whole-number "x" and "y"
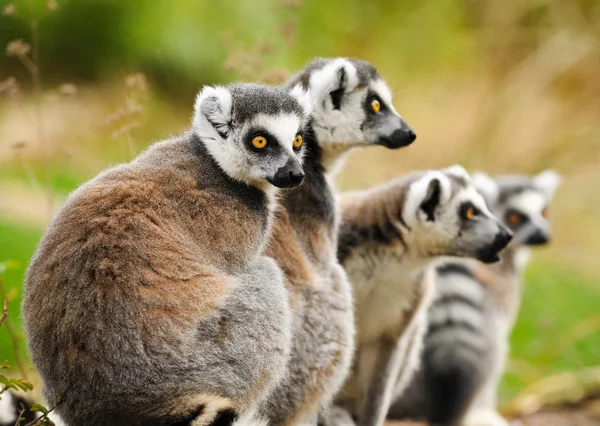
{"x": 352, "y": 105}
{"x": 254, "y": 132}
{"x": 522, "y": 203}
{"x": 448, "y": 217}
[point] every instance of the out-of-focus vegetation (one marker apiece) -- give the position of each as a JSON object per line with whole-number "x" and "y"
{"x": 498, "y": 85}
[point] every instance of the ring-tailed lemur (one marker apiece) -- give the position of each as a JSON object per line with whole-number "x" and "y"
{"x": 469, "y": 323}
{"x": 388, "y": 237}
{"x": 149, "y": 300}
{"x": 353, "y": 107}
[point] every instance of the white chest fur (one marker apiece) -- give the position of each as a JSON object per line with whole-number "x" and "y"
{"x": 384, "y": 291}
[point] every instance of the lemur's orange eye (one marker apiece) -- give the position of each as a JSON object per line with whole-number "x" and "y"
{"x": 513, "y": 219}
{"x": 297, "y": 142}
{"x": 545, "y": 212}
{"x": 469, "y": 213}
{"x": 259, "y": 142}
{"x": 375, "y": 105}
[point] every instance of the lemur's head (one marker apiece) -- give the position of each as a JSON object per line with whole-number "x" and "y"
{"x": 446, "y": 216}
{"x": 254, "y": 132}
{"x": 522, "y": 203}
{"x": 352, "y": 105}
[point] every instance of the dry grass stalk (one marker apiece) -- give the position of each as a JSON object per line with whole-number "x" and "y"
{"x": 9, "y": 10}
{"x": 252, "y": 62}
{"x": 563, "y": 389}
{"x": 4, "y": 312}
{"x": 12, "y": 332}
{"x": 125, "y": 119}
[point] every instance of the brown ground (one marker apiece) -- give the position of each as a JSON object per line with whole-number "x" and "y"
{"x": 550, "y": 418}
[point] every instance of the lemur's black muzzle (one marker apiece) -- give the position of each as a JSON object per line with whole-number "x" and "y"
{"x": 538, "y": 238}
{"x": 491, "y": 253}
{"x": 288, "y": 176}
{"x": 402, "y": 136}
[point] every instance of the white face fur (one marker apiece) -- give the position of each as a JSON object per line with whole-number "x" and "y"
{"x": 352, "y": 106}
{"x": 445, "y": 215}
{"x": 229, "y": 119}
{"x": 522, "y": 203}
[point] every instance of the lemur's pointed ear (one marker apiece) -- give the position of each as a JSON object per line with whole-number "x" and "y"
{"x": 304, "y": 99}
{"x": 335, "y": 78}
{"x": 487, "y": 187}
{"x": 425, "y": 195}
{"x": 458, "y": 171}
{"x": 213, "y": 107}
{"x": 547, "y": 182}
{"x": 432, "y": 199}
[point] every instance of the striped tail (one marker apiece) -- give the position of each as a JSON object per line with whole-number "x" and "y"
{"x": 218, "y": 412}
{"x": 455, "y": 357}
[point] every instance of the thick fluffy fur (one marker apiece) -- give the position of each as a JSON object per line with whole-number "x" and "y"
{"x": 149, "y": 300}
{"x": 475, "y": 308}
{"x": 388, "y": 236}
{"x": 305, "y": 234}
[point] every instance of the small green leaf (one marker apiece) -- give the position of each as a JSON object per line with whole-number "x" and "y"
{"x": 39, "y": 409}
{"x": 4, "y": 365}
{"x": 24, "y": 385}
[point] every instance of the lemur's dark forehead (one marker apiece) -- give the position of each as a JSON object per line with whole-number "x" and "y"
{"x": 365, "y": 72}
{"x": 512, "y": 185}
{"x": 250, "y": 100}
{"x": 457, "y": 182}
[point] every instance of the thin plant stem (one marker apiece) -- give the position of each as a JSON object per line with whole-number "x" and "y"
{"x": 130, "y": 146}
{"x": 13, "y": 335}
{"x": 34, "y": 69}
{"x": 4, "y": 312}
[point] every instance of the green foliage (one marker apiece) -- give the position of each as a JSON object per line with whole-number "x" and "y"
{"x": 558, "y": 328}
{"x": 16, "y": 243}
{"x": 16, "y": 384}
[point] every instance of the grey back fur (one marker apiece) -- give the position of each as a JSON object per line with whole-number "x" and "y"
{"x": 149, "y": 300}
{"x": 304, "y": 242}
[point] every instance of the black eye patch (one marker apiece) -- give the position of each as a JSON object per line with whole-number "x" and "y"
{"x": 467, "y": 210}
{"x": 372, "y": 96}
{"x": 272, "y": 141}
{"x": 514, "y": 218}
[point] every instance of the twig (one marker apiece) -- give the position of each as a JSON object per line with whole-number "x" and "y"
{"x": 12, "y": 333}
{"x": 20, "y": 417}
{"x": 42, "y": 417}
{"x": 130, "y": 145}
{"x": 34, "y": 70}
{"x": 4, "y": 312}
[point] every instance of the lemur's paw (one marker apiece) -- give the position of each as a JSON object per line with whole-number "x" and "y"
{"x": 335, "y": 416}
{"x": 485, "y": 418}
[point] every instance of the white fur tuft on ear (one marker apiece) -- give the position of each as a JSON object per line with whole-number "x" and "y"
{"x": 547, "y": 182}
{"x": 212, "y": 107}
{"x": 339, "y": 73}
{"x": 486, "y": 186}
{"x": 458, "y": 171}
{"x": 304, "y": 99}
{"x": 418, "y": 191}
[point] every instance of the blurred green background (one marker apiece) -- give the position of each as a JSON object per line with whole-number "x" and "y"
{"x": 499, "y": 85}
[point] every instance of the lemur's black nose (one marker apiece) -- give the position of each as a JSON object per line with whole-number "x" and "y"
{"x": 399, "y": 138}
{"x": 504, "y": 238}
{"x": 288, "y": 176}
{"x": 538, "y": 238}
{"x": 296, "y": 176}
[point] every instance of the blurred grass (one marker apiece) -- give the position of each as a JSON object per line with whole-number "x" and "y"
{"x": 503, "y": 86}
